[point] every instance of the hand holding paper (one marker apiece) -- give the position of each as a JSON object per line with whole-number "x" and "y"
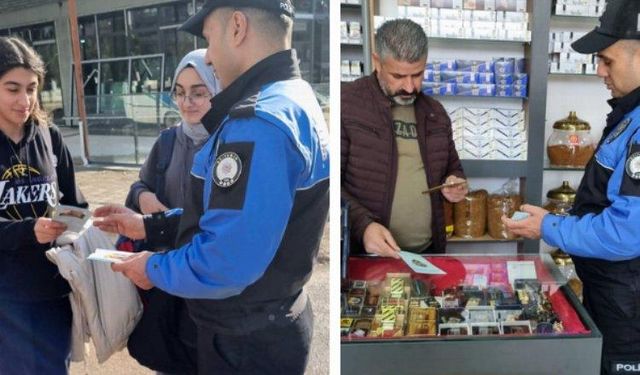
{"x": 74, "y": 218}
{"x": 419, "y": 264}
{"x": 110, "y": 256}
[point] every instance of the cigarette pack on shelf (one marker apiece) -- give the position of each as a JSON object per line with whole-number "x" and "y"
{"x": 480, "y": 66}
{"x": 345, "y": 69}
{"x": 350, "y": 70}
{"x": 508, "y": 117}
{"x": 510, "y": 149}
{"x": 344, "y": 32}
{"x": 509, "y": 132}
{"x": 413, "y": 12}
{"x": 447, "y": 14}
{"x": 430, "y": 76}
{"x": 458, "y": 76}
{"x": 477, "y": 148}
{"x": 439, "y": 88}
{"x": 475, "y": 89}
{"x": 471, "y": 131}
{"x": 482, "y": 30}
{"x": 485, "y": 78}
{"x": 482, "y": 15}
{"x": 581, "y": 8}
{"x": 439, "y": 66}
{"x": 563, "y": 59}
{"x": 355, "y": 32}
{"x": 519, "y": 91}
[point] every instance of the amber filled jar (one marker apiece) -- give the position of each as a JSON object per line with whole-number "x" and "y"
{"x": 570, "y": 144}
{"x": 560, "y": 200}
{"x": 470, "y": 215}
{"x": 497, "y": 206}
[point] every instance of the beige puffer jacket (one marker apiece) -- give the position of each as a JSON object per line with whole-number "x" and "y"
{"x": 106, "y": 305}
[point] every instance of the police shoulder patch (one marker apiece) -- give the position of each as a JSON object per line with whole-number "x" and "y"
{"x": 630, "y": 184}
{"x": 619, "y": 130}
{"x": 227, "y": 169}
{"x": 230, "y": 175}
{"x": 632, "y": 166}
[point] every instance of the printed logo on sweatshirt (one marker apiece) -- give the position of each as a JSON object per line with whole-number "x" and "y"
{"x": 22, "y": 184}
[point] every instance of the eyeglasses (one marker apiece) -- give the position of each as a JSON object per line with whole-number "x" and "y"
{"x": 197, "y": 98}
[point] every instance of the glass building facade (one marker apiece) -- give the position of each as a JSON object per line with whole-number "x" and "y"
{"x": 128, "y": 61}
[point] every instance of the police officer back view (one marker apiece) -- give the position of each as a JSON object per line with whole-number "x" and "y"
{"x": 602, "y": 234}
{"x": 265, "y": 177}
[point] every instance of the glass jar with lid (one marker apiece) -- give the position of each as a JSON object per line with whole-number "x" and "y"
{"x": 570, "y": 144}
{"x": 560, "y": 200}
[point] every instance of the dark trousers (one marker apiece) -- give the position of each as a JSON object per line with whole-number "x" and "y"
{"x": 35, "y": 337}
{"x": 615, "y": 308}
{"x": 279, "y": 349}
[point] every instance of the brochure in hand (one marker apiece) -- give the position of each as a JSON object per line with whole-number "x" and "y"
{"x": 110, "y": 256}
{"x": 76, "y": 219}
{"x": 419, "y": 264}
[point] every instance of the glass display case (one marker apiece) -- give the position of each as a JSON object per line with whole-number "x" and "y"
{"x": 483, "y": 314}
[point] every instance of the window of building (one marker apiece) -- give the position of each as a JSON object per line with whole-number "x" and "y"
{"x": 88, "y": 37}
{"x": 154, "y": 30}
{"x": 112, "y": 35}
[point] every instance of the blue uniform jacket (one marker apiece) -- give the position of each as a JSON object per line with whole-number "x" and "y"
{"x": 269, "y": 149}
{"x": 614, "y": 233}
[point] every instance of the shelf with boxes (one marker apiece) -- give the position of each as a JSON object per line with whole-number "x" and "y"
{"x": 353, "y": 45}
{"x": 476, "y": 21}
{"x": 504, "y": 77}
{"x": 564, "y": 60}
{"x": 578, "y": 8}
{"x": 351, "y": 33}
{"x": 489, "y": 133}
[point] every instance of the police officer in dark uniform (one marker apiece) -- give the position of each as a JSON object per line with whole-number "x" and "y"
{"x": 257, "y": 225}
{"x": 603, "y": 232}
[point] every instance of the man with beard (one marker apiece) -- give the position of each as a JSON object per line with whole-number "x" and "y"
{"x": 397, "y": 142}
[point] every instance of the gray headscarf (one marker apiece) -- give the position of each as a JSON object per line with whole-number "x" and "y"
{"x": 196, "y": 59}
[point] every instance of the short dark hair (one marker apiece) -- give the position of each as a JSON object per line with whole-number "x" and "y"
{"x": 15, "y": 53}
{"x": 270, "y": 23}
{"x": 401, "y": 39}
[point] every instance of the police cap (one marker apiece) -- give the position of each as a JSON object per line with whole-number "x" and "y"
{"x": 195, "y": 23}
{"x": 620, "y": 20}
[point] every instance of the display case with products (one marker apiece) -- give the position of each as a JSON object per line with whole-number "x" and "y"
{"x": 485, "y": 314}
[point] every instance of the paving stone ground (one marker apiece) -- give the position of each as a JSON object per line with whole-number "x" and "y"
{"x": 102, "y": 186}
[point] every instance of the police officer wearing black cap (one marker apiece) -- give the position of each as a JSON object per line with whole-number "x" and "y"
{"x": 253, "y": 230}
{"x": 603, "y": 232}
